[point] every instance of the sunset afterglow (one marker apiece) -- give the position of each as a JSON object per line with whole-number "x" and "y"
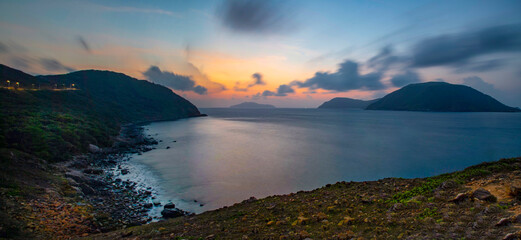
{"x": 286, "y": 43}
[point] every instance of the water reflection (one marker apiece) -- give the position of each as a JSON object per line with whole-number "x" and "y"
{"x": 236, "y": 154}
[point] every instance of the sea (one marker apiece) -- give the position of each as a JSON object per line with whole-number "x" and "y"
{"x": 205, "y": 163}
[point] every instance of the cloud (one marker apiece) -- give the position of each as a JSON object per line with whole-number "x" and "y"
{"x": 51, "y": 64}
{"x": 201, "y": 77}
{"x": 256, "y": 96}
{"x": 204, "y": 79}
{"x": 3, "y": 48}
{"x": 200, "y": 90}
{"x": 481, "y": 66}
{"x": 257, "y": 17}
{"x": 457, "y": 50}
{"x": 406, "y": 78}
{"x": 20, "y": 62}
{"x": 174, "y": 81}
{"x": 282, "y": 91}
{"x": 138, "y": 10}
{"x": 257, "y": 80}
{"x": 346, "y": 78}
{"x": 384, "y": 59}
{"x": 83, "y": 44}
{"x": 479, "y": 84}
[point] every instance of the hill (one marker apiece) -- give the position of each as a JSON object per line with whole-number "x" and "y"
{"x": 53, "y": 124}
{"x": 341, "y": 102}
{"x": 14, "y": 75}
{"x": 439, "y": 97}
{"x": 45, "y": 121}
{"x": 252, "y": 105}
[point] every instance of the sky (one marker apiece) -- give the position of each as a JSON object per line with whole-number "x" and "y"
{"x": 286, "y": 53}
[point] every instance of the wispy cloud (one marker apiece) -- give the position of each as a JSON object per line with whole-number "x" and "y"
{"x": 174, "y": 81}
{"x": 83, "y": 44}
{"x": 126, "y": 9}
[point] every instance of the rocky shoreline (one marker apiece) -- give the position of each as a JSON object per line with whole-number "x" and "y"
{"x": 97, "y": 178}
{"x": 480, "y": 202}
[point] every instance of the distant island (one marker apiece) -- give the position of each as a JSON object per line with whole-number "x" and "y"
{"x": 439, "y": 97}
{"x": 341, "y": 102}
{"x": 252, "y": 105}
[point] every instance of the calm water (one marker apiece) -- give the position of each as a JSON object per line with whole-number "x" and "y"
{"x": 238, "y": 153}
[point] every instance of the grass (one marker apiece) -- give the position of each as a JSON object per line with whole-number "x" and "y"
{"x": 431, "y": 183}
{"x": 347, "y": 210}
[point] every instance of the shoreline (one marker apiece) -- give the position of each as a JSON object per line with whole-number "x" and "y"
{"x": 483, "y": 201}
{"x": 97, "y": 177}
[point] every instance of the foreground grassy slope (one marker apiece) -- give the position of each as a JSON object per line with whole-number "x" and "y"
{"x": 385, "y": 209}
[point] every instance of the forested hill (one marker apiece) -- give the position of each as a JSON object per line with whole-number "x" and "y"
{"x": 73, "y": 110}
{"x": 125, "y": 97}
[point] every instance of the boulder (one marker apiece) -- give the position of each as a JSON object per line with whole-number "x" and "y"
{"x": 447, "y": 185}
{"x": 511, "y": 236}
{"x": 124, "y": 171}
{"x": 96, "y": 182}
{"x": 169, "y": 205}
{"x": 94, "y": 149}
{"x": 171, "y": 213}
{"x": 503, "y": 222}
{"x": 517, "y": 219}
{"x": 515, "y": 191}
{"x": 484, "y": 195}
{"x": 93, "y": 171}
{"x": 148, "y": 205}
{"x": 460, "y": 198}
{"x": 86, "y": 189}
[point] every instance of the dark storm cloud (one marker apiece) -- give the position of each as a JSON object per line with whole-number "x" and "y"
{"x": 54, "y": 65}
{"x": 83, "y": 44}
{"x": 253, "y": 16}
{"x": 346, "y": 78}
{"x": 174, "y": 81}
{"x": 408, "y": 77}
{"x": 282, "y": 91}
{"x": 458, "y": 49}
